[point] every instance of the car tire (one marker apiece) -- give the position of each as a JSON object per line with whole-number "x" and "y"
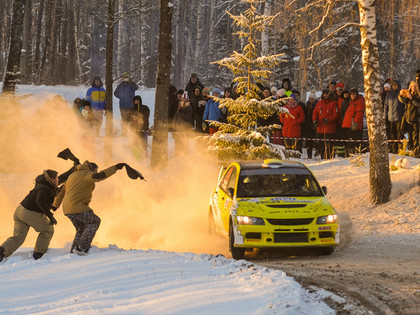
{"x": 328, "y": 250}
{"x": 237, "y": 253}
{"x": 211, "y": 224}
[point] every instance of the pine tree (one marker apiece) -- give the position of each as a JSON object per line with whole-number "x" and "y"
{"x": 241, "y": 137}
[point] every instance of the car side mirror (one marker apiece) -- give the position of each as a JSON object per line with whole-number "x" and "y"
{"x": 231, "y": 191}
{"x": 324, "y": 189}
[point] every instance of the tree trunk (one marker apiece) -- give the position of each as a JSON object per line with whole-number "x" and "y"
{"x": 160, "y": 136}
{"x": 37, "y": 56}
{"x": 380, "y": 181}
{"x": 109, "y": 80}
{"x": 265, "y": 36}
{"x": 13, "y": 60}
{"x": 199, "y": 42}
{"x": 26, "y": 57}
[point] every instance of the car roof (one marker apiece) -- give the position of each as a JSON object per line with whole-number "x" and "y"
{"x": 269, "y": 163}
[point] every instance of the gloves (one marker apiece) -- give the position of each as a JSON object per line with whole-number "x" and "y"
{"x": 53, "y": 221}
{"x": 204, "y": 126}
{"x": 325, "y": 120}
{"x": 354, "y": 125}
{"x": 315, "y": 122}
{"x": 120, "y": 165}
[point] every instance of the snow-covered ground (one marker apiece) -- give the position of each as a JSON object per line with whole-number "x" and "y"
{"x": 163, "y": 261}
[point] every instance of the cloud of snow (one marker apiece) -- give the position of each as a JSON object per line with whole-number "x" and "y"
{"x": 168, "y": 212}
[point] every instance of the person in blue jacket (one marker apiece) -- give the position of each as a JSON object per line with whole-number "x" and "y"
{"x": 96, "y": 95}
{"x": 125, "y": 92}
{"x": 212, "y": 111}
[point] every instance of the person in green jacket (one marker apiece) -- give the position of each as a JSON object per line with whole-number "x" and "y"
{"x": 76, "y": 195}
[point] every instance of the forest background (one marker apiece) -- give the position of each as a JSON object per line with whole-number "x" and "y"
{"x": 64, "y": 41}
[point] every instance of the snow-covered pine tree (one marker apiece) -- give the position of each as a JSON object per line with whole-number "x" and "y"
{"x": 241, "y": 137}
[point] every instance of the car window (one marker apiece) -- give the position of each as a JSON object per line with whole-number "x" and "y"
{"x": 281, "y": 182}
{"x": 232, "y": 183}
{"x": 225, "y": 180}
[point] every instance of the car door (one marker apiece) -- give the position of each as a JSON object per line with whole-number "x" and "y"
{"x": 222, "y": 195}
{"x": 229, "y": 186}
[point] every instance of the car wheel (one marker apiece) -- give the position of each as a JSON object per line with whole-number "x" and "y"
{"x": 237, "y": 253}
{"x": 211, "y": 224}
{"x": 326, "y": 250}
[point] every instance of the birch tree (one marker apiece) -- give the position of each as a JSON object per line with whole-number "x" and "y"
{"x": 160, "y": 136}
{"x": 379, "y": 179}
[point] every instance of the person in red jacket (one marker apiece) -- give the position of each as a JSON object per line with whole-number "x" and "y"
{"x": 324, "y": 118}
{"x": 353, "y": 119}
{"x": 292, "y": 125}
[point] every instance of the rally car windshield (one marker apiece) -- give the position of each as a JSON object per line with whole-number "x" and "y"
{"x": 281, "y": 182}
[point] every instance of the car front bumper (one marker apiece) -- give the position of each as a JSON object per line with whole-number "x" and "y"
{"x": 258, "y": 236}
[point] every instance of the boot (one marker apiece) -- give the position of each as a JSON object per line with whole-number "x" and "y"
{"x": 37, "y": 255}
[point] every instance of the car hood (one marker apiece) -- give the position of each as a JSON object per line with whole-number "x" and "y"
{"x": 278, "y": 207}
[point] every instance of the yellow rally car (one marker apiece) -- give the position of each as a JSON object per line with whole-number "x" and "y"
{"x": 272, "y": 203}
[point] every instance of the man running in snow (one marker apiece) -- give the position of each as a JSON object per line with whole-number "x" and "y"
{"x": 76, "y": 196}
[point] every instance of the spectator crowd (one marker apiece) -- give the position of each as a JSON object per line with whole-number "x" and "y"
{"x": 333, "y": 124}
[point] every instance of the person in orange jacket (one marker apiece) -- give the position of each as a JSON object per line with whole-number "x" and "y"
{"x": 292, "y": 125}
{"x": 324, "y": 118}
{"x": 353, "y": 119}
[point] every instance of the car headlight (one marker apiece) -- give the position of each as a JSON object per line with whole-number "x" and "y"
{"x": 245, "y": 220}
{"x": 327, "y": 219}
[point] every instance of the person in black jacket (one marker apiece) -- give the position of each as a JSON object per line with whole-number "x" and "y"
{"x": 139, "y": 122}
{"x": 34, "y": 211}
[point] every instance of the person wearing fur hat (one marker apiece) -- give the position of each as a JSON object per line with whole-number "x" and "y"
{"x": 96, "y": 95}
{"x": 34, "y": 211}
{"x": 125, "y": 92}
{"x": 76, "y": 195}
{"x": 139, "y": 123}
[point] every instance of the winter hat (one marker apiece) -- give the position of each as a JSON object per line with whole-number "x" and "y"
{"x": 92, "y": 166}
{"x": 194, "y": 75}
{"x": 325, "y": 91}
{"x": 185, "y": 95}
{"x": 180, "y": 92}
{"x": 354, "y": 90}
{"x": 217, "y": 90}
{"x": 126, "y": 75}
{"x": 206, "y": 89}
{"x": 273, "y": 89}
{"x": 281, "y": 92}
{"x": 418, "y": 73}
{"x": 312, "y": 95}
{"x": 387, "y": 85}
{"x": 339, "y": 85}
{"x": 50, "y": 176}
{"x": 333, "y": 82}
{"x": 138, "y": 97}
